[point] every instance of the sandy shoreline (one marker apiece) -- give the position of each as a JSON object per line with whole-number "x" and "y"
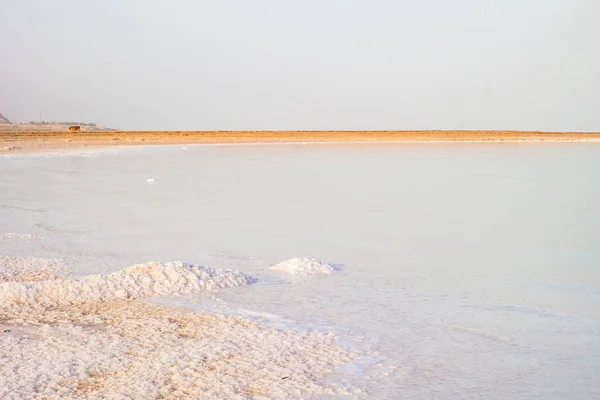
{"x": 20, "y": 142}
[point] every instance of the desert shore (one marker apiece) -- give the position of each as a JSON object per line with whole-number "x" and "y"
{"x": 39, "y": 141}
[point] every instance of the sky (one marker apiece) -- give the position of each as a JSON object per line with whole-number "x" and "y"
{"x": 305, "y": 64}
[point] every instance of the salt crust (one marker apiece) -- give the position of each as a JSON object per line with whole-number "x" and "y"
{"x": 26, "y": 269}
{"x": 101, "y": 346}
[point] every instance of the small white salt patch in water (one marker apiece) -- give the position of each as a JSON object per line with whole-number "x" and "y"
{"x": 12, "y": 235}
{"x": 305, "y": 267}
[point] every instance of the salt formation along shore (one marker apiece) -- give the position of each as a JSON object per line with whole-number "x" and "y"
{"x": 305, "y": 267}
{"x": 91, "y": 337}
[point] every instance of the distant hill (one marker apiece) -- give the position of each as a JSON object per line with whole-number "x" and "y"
{"x": 6, "y": 126}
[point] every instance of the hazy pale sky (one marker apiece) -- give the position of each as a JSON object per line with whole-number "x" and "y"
{"x": 305, "y": 64}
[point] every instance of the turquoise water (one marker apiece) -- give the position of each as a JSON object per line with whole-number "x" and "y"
{"x": 468, "y": 270}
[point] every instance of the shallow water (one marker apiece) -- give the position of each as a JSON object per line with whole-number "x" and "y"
{"x": 467, "y": 270}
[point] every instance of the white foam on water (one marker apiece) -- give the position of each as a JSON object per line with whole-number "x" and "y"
{"x": 272, "y": 320}
{"x": 305, "y": 267}
{"x": 135, "y": 282}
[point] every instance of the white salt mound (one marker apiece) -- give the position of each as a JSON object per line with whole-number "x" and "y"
{"x": 135, "y": 282}
{"x": 305, "y": 267}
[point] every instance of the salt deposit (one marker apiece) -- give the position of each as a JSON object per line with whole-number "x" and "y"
{"x": 73, "y": 338}
{"x": 139, "y": 350}
{"x": 138, "y": 281}
{"x": 27, "y": 269}
{"x": 305, "y": 266}
{"x": 12, "y": 235}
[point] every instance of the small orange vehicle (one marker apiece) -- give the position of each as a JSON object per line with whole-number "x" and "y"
{"x": 75, "y": 128}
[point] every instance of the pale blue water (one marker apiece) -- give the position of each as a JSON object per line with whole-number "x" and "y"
{"x": 470, "y": 271}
